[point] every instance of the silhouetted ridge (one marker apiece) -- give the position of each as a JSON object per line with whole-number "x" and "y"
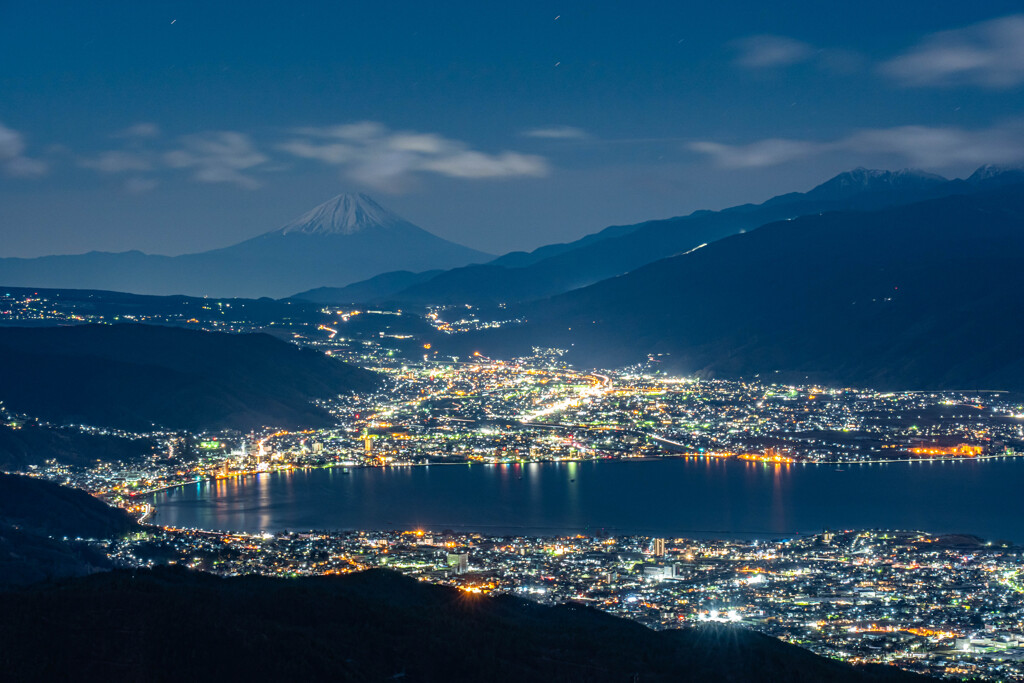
{"x": 140, "y": 376}
{"x": 865, "y": 180}
{"x": 912, "y": 297}
{"x": 616, "y": 251}
{"x": 41, "y": 506}
{"x": 32, "y": 444}
{"x": 169, "y": 624}
{"x": 32, "y": 511}
{"x": 346, "y": 239}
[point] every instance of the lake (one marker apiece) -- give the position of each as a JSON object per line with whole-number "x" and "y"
{"x": 696, "y": 497}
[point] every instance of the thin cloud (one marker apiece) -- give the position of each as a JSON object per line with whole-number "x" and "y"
{"x": 217, "y": 157}
{"x": 139, "y": 131}
{"x": 926, "y": 146}
{"x": 939, "y": 146}
{"x": 329, "y": 153}
{"x": 470, "y": 164}
{"x": 373, "y": 155}
{"x": 208, "y": 157}
{"x": 770, "y": 152}
{"x": 557, "y": 133}
{"x": 117, "y": 161}
{"x": 13, "y": 162}
{"x": 140, "y": 185}
{"x": 420, "y": 143}
{"x": 989, "y": 54}
{"x": 767, "y": 51}
{"x": 360, "y": 130}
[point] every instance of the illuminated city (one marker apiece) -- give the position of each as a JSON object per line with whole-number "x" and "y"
{"x": 940, "y": 605}
{"x": 507, "y": 342}
{"x": 948, "y": 606}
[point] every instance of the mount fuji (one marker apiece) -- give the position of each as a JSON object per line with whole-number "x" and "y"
{"x": 346, "y": 239}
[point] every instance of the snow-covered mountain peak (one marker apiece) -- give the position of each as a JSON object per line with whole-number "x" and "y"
{"x": 990, "y": 172}
{"x": 342, "y": 215}
{"x": 865, "y": 179}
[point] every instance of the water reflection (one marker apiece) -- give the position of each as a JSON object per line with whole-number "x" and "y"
{"x": 779, "y": 520}
{"x": 701, "y": 496}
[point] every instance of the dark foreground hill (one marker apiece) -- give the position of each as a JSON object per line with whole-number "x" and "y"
{"x": 32, "y": 444}
{"x": 915, "y": 297}
{"x": 36, "y": 518}
{"x": 40, "y": 506}
{"x": 139, "y": 376}
{"x": 170, "y": 624}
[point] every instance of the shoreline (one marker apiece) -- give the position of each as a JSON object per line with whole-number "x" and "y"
{"x": 469, "y": 463}
{"x": 705, "y": 532}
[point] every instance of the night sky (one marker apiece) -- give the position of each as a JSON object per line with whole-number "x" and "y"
{"x": 177, "y": 127}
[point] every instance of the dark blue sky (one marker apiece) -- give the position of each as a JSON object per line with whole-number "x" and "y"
{"x": 175, "y": 127}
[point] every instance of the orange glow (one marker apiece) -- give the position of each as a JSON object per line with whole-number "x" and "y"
{"x": 962, "y": 450}
{"x": 770, "y": 455}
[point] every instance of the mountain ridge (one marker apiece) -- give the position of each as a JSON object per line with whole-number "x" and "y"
{"x": 518, "y": 278}
{"x": 346, "y": 239}
{"x": 134, "y": 376}
{"x": 343, "y": 214}
{"x": 897, "y": 298}
{"x": 369, "y": 626}
{"x": 36, "y": 514}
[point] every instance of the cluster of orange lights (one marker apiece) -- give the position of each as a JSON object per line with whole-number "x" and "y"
{"x": 930, "y": 633}
{"x": 923, "y": 632}
{"x": 770, "y": 455}
{"x": 963, "y": 450}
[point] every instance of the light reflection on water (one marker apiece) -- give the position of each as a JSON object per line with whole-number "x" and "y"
{"x": 695, "y": 496}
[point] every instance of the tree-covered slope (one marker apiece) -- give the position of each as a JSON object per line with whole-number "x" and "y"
{"x": 170, "y": 624}
{"x": 141, "y": 376}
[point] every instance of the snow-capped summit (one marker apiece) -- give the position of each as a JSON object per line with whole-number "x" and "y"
{"x": 346, "y": 239}
{"x": 342, "y": 215}
{"x": 994, "y": 174}
{"x": 863, "y": 179}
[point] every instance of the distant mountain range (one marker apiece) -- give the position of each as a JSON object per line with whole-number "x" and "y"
{"x": 137, "y": 377}
{"x": 888, "y": 279}
{"x": 619, "y": 249}
{"x": 373, "y": 289}
{"x": 920, "y": 296}
{"x": 344, "y": 240}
